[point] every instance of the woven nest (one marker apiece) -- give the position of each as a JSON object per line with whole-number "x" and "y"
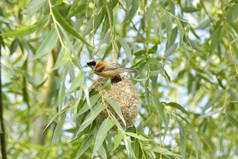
{"x": 124, "y": 93}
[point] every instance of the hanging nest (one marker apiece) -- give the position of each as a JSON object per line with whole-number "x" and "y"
{"x": 123, "y": 92}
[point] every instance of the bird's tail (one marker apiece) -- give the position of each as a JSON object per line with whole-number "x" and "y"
{"x": 133, "y": 70}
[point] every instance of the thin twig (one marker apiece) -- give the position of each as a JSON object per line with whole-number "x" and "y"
{"x": 94, "y": 3}
{"x": 141, "y": 146}
{"x": 93, "y": 26}
{"x": 114, "y": 51}
{"x": 104, "y": 103}
{"x": 55, "y": 24}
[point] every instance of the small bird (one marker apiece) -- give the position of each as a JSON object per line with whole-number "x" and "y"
{"x": 109, "y": 69}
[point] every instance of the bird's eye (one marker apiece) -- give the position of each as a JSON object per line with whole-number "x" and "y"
{"x": 91, "y": 63}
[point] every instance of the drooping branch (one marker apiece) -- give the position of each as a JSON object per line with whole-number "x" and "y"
{"x": 115, "y": 51}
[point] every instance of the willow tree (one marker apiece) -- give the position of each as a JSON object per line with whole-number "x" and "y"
{"x": 186, "y": 54}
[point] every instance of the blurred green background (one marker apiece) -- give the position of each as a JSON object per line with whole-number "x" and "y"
{"x": 187, "y": 56}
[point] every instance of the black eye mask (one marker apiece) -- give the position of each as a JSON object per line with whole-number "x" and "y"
{"x": 91, "y": 63}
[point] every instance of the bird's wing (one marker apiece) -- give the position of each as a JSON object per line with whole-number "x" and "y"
{"x": 112, "y": 66}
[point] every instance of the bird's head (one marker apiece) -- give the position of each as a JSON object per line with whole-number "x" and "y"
{"x": 92, "y": 64}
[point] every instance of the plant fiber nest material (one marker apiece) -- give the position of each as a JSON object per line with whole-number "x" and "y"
{"x": 124, "y": 93}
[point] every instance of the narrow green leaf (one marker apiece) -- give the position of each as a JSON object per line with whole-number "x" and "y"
{"x": 101, "y": 134}
{"x": 77, "y": 82}
{"x": 86, "y": 107}
{"x": 14, "y": 46}
{"x": 50, "y": 122}
{"x": 156, "y": 67}
{"x": 33, "y": 7}
{"x": 116, "y": 108}
{"x": 172, "y": 38}
{"x": 168, "y": 22}
{"x": 153, "y": 49}
{"x": 205, "y": 77}
{"x": 107, "y": 85}
{"x": 143, "y": 51}
{"x": 26, "y": 30}
{"x": 147, "y": 92}
{"x": 181, "y": 117}
{"x": 196, "y": 141}
{"x": 105, "y": 31}
{"x": 76, "y": 103}
{"x": 100, "y": 16}
{"x": 105, "y": 42}
{"x": 140, "y": 137}
{"x": 77, "y": 9}
{"x": 220, "y": 83}
{"x": 195, "y": 45}
{"x": 156, "y": 148}
{"x": 190, "y": 9}
{"x": 131, "y": 154}
{"x": 137, "y": 148}
{"x": 181, "y": 32}
{"x": 58, "y": 129}
{"x": 25, "y": 92}
{"x": 140, "y": 52}
{"x": 126, "y": 48}
{"x": 231, "y": 13}
{"x": 165, "y": 74}
{"x": 54, "y": 117}
{"x": 68, "y": 27}
{"x": 204, "y": 24}
{"x": 91, "y": 116}
{"x": 102, "y": 152}
{"x": 62, "y": 59}
{"x": 215, "y": 37}
{"x": 47, "y": 44}
{"x": 234, "y": 40}
{"x": 159, "y": 107}
{"x": 112, "y": 4}
{"x": 133, "y": 10}
{"x": 170, "y": 49}
{"x": 194, "y": 33}
{"x": 182, "y": 139}
{"x": 102, "y": 49}
{"x": 214, "y": 100}
{"x": 85, "y": 145}
{"x": 149, "y": 12}
{"x": 40, "y": 83}
{"x": 128, "y": 4}
{"x": 176, "y": 105}
{"x": 117, "y": 139}
{"x": 61, "y": 93}
{"x": 117, "y": 123}
{"x": 232, "y": 120}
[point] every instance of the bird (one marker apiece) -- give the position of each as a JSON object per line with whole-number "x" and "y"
{"x": 109, "y": 69}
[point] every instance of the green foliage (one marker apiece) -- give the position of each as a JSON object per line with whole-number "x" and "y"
{"x": 186, "y": 54}
{"x": 47, "y": 44}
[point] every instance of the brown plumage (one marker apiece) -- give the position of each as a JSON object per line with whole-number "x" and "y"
{"x": 108, "y": 69}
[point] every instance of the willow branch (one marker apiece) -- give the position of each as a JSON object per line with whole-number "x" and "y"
{"x": 114, "y": 46}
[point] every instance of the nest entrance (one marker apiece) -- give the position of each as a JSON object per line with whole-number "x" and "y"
{"x": 116, "y": 79}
